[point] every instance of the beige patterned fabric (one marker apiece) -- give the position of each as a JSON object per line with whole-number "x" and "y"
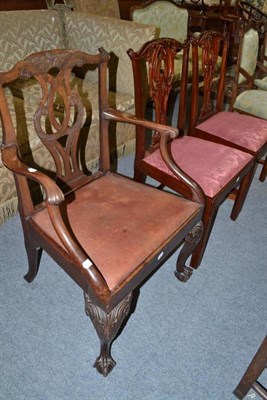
{"x": 170, "y": 20}
{"x": 107, "y": 8}
{"x": 88, "y": 32}
{"x": 24, "y": 32}
{"x": 252, "y": 102}
{"x": 249, "y": 56}
{"x": 261, "y": 83}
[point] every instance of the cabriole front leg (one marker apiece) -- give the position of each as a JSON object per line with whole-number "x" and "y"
{"x": 106, "y": 326}
{"x": 192, "y": 239}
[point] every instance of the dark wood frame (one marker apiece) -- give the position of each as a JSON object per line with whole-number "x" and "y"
{"x": 159, "y": 55}
{"x": 107, "y": 307}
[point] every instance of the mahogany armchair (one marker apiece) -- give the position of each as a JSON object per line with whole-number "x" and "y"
{"x": 243, "y": 132}
{"x": 218, "y": 169}
{"x": 105, "y": 230}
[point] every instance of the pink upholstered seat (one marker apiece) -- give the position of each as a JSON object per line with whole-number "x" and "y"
{"x": 243, "y": 130}
{"x": 210, "y": 165}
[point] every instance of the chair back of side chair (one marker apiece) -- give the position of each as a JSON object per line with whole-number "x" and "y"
{"x": 153, "y": 71}
{"x": 210, "y": 46}
{"x": 59, "y": 116}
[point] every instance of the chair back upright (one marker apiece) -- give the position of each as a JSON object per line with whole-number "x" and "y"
{"x": 153, "y": 71}
{"x": 209, "y": 46}
{"x": 58, "y": 118}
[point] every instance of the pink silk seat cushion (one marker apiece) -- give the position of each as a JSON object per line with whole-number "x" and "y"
{"x": 244, "y": 130}
{"x": 210, "y": 164}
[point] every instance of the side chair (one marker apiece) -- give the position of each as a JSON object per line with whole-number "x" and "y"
{"x": 218, "y": 169}
{"x": 106, "y": 231}
{"x": 210, "y": 121}
{"x": 249, "y": 100}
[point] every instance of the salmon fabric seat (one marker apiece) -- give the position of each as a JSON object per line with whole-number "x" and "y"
{"x": 128, "y": 228}
{"x": 243, "y": 130}
{"x": 210, "y": 165}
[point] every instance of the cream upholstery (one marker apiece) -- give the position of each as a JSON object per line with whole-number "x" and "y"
{"x": 261, "y": 83}
{"x": 107, "y": 8}
{"x": 249, "y": 55}
{"x": 253, "y": 102}
{"x": 170, "y": 20}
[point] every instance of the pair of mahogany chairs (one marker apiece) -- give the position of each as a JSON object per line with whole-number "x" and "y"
{"x": 221, "y": 149}
{"x": 106, "y": 231}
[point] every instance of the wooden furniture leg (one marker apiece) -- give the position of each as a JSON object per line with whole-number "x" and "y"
{"x": 263, "y": 171}
{"x": 106, "y": 326}
{"x": 254, "y": 370}
{"x": 191, "y": 241}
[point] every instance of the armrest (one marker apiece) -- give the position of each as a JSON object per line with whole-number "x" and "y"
{"x": 197, "y": 193}
{"x": 167, "y": 133}
{"x": 54, "y": 197}
{"x": 119, "y": 116}
{"x": 12, "y": 161}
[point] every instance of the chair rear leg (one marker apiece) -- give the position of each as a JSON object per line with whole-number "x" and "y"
{"x": 208, "y": 219}
{"x": 263, "y": 173}
{"x": 139, "y": 176}
{"x": 34, "y": 257}
{"x": 106, "y": 326}
{"x": 242, "y": 193}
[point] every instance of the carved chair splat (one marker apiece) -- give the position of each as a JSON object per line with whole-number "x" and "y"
{"x": 210, "y": 165}
{"x": 100, "y": 228}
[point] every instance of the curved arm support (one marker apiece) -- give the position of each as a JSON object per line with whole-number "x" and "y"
{"x": 119, "y": 116}
{"x": 54, "y": 197}
{"x": 167, "y": 133}
{"x": 12, "y": 161}
{"x": 197, "y": 193}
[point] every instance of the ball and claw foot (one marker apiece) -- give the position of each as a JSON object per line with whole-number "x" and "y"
{"x": 104, "y": 364}
{"x": 185, "y": 275}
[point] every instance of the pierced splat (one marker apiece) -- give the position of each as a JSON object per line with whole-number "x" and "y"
{"x": 59, "y": 114}
{"x": 159, "y": 56}
{"x": 59, "y": 134}
{"x": 210, "y": 44}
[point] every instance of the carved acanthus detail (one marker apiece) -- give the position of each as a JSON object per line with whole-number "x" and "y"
{"x": 192, "y": 239}
{"x": 106, "y": 326}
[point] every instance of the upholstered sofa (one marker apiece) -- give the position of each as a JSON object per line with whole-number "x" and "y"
{"x": 26, "y": 32}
